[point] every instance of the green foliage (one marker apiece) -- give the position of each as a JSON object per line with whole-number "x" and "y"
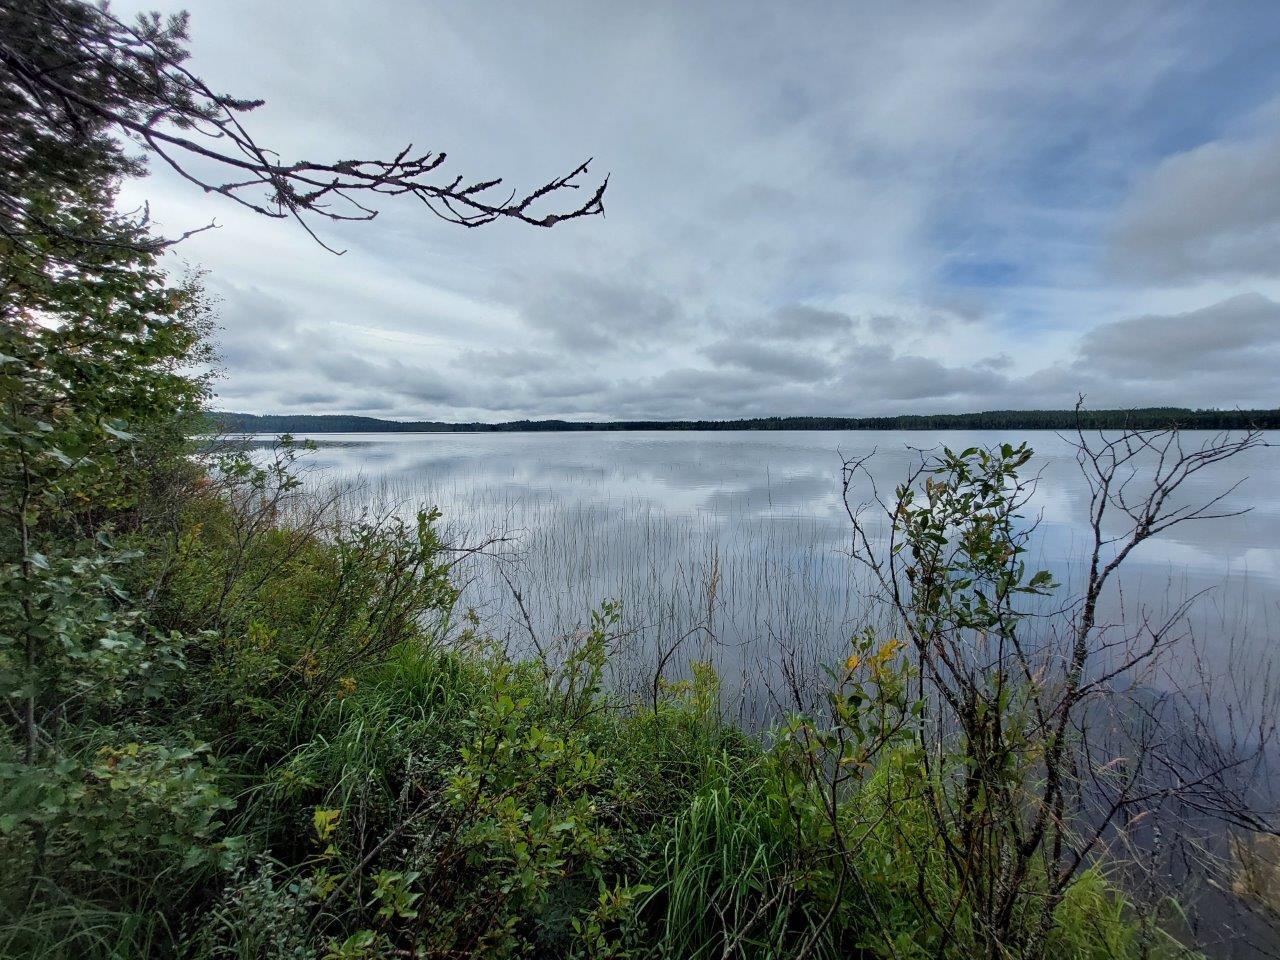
{"x": 734, "y": 879}
{"x": 124, "y": 808}
{"x": 966, "y": 544}
{"x": 99, "y": 358}
{"x": 262, "y": 913}
{"x": 298, "y": 614}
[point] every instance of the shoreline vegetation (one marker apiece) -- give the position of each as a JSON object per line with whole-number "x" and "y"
{"x": 1145, "y": 418}
{"x": 242, "y": 721}
{"x": 259, "y": 727}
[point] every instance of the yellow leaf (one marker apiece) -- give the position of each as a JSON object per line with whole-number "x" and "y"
{"x": 325, "y": 821}
{"x": 889, "y": 649}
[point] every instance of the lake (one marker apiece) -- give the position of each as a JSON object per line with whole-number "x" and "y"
{"x": 652, "y": 519}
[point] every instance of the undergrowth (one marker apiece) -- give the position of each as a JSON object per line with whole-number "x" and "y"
{"x": 310, "y": 756}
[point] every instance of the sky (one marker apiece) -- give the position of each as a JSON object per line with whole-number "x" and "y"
{"x": 845, "y": 208}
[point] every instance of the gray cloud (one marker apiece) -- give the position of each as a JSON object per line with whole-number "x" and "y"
{"x": 592, "y": 313}
{"x": 892, "y": 328}
{"x": 1211, "y": 212}
{"x": 769, "y": 360}
{"x": 1237, "y": 340}
{"x": 999, "y": 361}
{"x": 1224, "y": 336}
{"x": 1228, "y": 350}
{"x": 848, "y": 209}
{"x": 801, "y": 322}
{"x": 508, "y": 363}
{"x": 257, "y": 330}
{"x": 312, "y": 398}
{"x": 876, "y": 371}
{"x": 266, "y": 349}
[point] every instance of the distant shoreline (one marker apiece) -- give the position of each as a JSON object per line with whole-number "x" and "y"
{"x": 1142, "y": 418}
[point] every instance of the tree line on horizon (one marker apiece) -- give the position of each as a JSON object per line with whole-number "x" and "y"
{"x": 1144, "y": 418}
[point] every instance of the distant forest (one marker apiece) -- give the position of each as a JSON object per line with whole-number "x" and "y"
{"x": 1144, "y": 418}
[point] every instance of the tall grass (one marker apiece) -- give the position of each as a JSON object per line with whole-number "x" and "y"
{"x": 730, "y": 878}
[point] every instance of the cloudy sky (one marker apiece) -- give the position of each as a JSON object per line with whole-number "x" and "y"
{"x": 847, "y": 208}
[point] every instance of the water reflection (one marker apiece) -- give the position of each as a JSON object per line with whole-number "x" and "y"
{"x": 651, "y": 518}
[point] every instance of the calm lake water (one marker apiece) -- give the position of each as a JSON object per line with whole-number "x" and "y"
{"x": 652, "y": 519}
